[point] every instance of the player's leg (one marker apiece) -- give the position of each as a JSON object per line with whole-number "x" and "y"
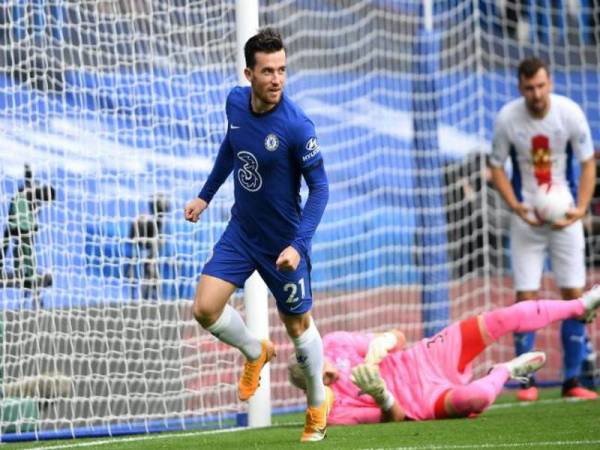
{"x": 528, "y": 252}
{"x": 567, "y": 250}
{"x": 474, "y": 397}
{"x": 477, "y": 396}
{"x": 527, "y": 316}
{"x": 229, "y": 327}
{"x": 573, "y": 339}
{"x": 480, "y": 331}
{"x": 29, "y": 267}
{"x": 227, "y": 269}
{"x": 4, "y": 248}
{"x": 522, "y": 317}
{"x": 292, "y": 291}
{"x": 589, "y": 367}
{"x": 221, "y": 320}
{"x": 19, "y": 256}
{"x": 309, "y": 353}
{"x": 524, "y": 341}
{"x": 535, "y": 314}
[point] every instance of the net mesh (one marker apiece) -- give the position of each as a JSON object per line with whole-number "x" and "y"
{"x": 119, "y": 107}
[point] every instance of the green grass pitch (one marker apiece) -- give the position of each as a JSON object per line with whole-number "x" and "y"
{"x": 546, "y": 424}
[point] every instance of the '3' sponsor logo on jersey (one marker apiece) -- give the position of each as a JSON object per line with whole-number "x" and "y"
{"x": 248, "y": 175}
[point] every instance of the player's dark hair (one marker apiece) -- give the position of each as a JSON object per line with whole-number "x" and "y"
{"x": 530, "y": 66}
{"x": 266, "y": 40}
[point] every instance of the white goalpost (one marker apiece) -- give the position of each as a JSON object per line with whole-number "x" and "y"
{"x": 111, "y": 115}
{"x": 256, "y": 295}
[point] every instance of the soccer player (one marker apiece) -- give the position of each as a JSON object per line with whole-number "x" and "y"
{"x": 269, "y": 145}
{"x": 545, "y": 135}
{"x": 146, "y": 235}
{"x": 375, "y": 380}
{"x": 21, "y": 229}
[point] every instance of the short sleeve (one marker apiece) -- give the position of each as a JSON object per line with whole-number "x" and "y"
{"x": 580, "y": 135}
{"x": 307, "y": 151}
{"x": 501, "y": 142}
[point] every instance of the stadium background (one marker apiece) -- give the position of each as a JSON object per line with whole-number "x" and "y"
{"x": 114, "y": 101}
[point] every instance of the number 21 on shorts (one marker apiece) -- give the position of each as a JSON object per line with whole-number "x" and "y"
{"x": 292, "y": 289}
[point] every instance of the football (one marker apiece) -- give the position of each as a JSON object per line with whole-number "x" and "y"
{"x": 552, "y": 201}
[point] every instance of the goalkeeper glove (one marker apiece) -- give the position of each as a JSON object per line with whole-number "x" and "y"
{"x": 367, "y": 378}
{"x": 379, "y": 346}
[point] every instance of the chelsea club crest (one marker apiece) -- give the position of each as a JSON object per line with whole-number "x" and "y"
{"x": 271, "y": 142}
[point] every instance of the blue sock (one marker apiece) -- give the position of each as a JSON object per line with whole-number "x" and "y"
{"x": 572, "y": 334}
{"x": 524, "y": 342}
{"x": 588, "y": 366}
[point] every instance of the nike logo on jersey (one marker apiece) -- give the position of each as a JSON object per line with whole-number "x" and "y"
{"x": 233, "y": 127}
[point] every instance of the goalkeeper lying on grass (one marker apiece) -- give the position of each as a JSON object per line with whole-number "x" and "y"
{"x": 375, "y": 379}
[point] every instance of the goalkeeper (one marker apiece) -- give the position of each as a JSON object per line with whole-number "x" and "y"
{"x": 376, "y": 379}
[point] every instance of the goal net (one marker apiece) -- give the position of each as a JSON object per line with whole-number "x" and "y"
{"x": 111, "y": 114}
{"x": 359, "y": 72}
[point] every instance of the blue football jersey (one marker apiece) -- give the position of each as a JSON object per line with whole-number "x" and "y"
{"x": 267, "y": 153}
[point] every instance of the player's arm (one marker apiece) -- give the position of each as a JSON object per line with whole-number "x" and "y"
{"x": 356, "y": 415}
{"x": 394, "y": 414}
{"x": 504, "y": 187}
{"x": 368, "y": 379}
{"x": 587, "y": 183}
{"x": 318, "y": 194}
{"x": 219, "y": 173}
{"x": 382, "y": 344}
{"x": 581, "y": 142}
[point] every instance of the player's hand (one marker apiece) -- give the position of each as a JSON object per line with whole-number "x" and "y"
{"x": 526, "y": 214}
{"x": 379, "y": 347}
{"x": 572, "y": 216}
{"x": 193, "y": 209}
{"x": 368, "y": 379}
{"x": 288, "y": 260}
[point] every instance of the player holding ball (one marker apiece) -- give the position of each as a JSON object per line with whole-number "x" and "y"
{"x": 545, "y": 135}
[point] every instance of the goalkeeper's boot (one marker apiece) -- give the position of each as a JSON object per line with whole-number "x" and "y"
{"x": 520, "y": 368}
{"x": 249, "y": 381}
{"x": 591, "y": 302}
{"x": 571, "y": 388}
{"x": 315, "y": 425}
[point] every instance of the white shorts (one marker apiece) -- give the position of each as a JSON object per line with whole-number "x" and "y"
{"x": 530, "y": 245}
